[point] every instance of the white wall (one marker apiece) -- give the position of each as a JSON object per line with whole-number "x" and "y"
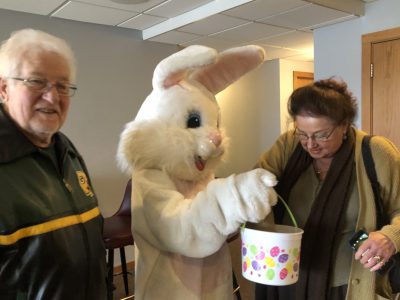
{"x": 337, "y": 48}
{"x": 287, "y": 67}
{"x": 254, "y": 112}
{"x": 250, "y": 115}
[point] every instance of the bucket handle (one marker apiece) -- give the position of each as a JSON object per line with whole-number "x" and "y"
{"x": 288, "y": 210}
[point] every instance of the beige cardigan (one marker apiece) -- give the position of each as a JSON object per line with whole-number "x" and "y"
{"x": 362, "y": 282}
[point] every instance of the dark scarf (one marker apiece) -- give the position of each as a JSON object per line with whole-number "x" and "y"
{"x": 321, "y": 228}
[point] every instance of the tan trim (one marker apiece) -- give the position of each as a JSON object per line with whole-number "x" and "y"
{"x": 302, "y": 78}
{"x": 48, "y": 226}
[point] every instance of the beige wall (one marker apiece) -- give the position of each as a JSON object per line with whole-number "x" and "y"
{"x": 286, "y": 86}
{"x": 254, "y": 112}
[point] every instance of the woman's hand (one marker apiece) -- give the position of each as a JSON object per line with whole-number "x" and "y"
{"x": 375, "y": 251}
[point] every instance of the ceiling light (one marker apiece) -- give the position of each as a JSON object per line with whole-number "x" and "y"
{"x": 129, "y": 1}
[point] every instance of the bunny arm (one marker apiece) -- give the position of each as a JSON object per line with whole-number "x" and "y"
{"x": 194, "y": 227}
{"x": 230, "y": 66}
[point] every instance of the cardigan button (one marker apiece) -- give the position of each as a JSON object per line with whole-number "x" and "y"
{"x": 355, "y": 281}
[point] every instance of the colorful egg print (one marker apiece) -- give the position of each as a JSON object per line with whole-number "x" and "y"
{"x": 296, "y": 252}
{"x": 244, "y": 266}
{"x": 248, "y": 261}
{"x": 244, "y": 251}
{"x": 295, "y": 267}
{"x": 274, "y": 251}
{"x": 289, "y": 267}
{"x": 270, "y": 262}
{"x": 260, "y": 256}
{"x": 270, "y": 274}
{"x": 256, "y": 266}
{"x": 283, "y": 258}
{"x": 253, "y": 249}
{"x": 283, "y": 273}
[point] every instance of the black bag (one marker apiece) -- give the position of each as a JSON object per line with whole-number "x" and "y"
{"x": 381, "y": 217}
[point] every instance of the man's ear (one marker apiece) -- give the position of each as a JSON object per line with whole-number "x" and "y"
{"x": 3, "y": 89}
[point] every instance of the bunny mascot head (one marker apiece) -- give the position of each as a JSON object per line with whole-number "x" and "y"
{"x": 181, "y": 215}
{"x": 178, "y": 126}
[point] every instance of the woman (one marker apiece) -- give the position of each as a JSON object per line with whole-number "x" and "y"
{"x": 322, "y": 176}
{"x": 51, "y": 244}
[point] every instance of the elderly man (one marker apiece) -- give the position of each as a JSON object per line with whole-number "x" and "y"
{"x": 51, "y": 244}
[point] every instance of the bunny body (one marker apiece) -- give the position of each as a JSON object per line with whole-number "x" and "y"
{"x": 181, "y": 215}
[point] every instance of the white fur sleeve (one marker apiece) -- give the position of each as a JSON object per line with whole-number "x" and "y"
{"x": 199, "y": 226}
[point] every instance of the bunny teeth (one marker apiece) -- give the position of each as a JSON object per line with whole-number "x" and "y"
{"x": 200, "y": 163}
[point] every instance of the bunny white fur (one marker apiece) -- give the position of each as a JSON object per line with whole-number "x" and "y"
{"x": 181, "y": 215}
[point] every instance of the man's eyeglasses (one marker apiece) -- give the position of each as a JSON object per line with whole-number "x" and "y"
{"x": 318, "y": 137}
{"x": 43, "y": 85}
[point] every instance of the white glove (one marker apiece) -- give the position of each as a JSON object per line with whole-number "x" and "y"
{"x": 226, "y": 203}
{"x": 255, "y": 188}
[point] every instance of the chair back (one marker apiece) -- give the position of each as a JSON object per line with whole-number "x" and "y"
{"x": 125, "y": 208}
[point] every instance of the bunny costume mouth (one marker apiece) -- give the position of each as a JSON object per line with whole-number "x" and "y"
{"x": 200, "y": 163}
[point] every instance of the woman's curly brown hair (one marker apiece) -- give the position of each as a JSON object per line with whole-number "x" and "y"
{"x": 328, "y": 97}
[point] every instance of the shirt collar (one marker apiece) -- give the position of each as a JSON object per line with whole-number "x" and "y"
{"x": 14, "y": 144}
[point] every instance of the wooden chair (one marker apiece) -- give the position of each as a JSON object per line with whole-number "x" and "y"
{"x": 117, "y": 234}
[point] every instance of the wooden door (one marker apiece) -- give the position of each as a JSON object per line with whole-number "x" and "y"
{"x": 381, "y": 84}
{"x": 302, "y": 78}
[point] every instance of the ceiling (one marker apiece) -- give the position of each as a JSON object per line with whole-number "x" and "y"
{"x": 283, "y": 27}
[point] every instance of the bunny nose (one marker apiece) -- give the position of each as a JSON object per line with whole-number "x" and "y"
{"x": 215, "y": 138}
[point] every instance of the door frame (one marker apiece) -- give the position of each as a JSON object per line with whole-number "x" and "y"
{"x": 366, "y": 90}
{"x": 300, "y": 74}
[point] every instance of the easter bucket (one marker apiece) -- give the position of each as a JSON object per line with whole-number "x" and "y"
{"x": 271, "y": 256}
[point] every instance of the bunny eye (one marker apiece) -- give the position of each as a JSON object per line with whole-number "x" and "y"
{"x": 194, "y": 120}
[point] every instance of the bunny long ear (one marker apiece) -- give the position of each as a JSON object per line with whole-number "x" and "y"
{"x": 231, "y": 65}
{"x": 174, "y": 68}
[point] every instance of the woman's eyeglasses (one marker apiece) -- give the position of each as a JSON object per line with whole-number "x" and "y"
{"x": 43, "y": 85}
{"x": 318, "y": 137}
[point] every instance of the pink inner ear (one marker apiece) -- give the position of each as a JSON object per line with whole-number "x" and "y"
{"x": 174, "y": 79}
{"x": 231, "y": 65}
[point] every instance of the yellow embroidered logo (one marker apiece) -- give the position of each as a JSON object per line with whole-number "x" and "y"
{"x": 83, "y": 182}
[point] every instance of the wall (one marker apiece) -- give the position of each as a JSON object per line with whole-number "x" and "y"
{"x": 250, "y": 115}
{"x": 254, "y": 112}
{"x": 287, "y": 67}
{"x": 337, "y": 48}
